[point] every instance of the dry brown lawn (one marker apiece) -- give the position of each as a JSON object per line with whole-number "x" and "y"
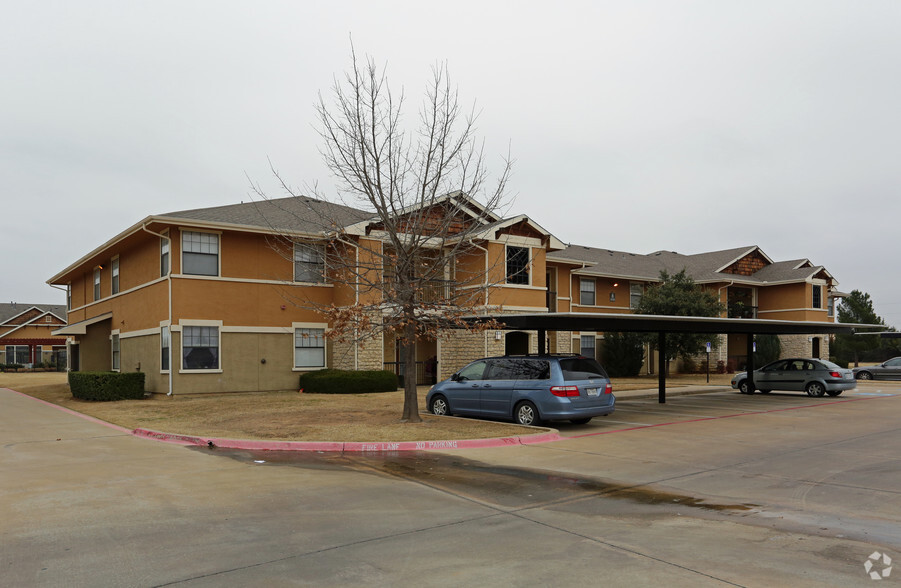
{"x": 290, "y": 416}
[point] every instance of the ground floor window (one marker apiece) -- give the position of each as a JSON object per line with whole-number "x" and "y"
{"x": 587, "y": 346}
{"x": 200, "y": 348}
{"x": 18, "y": 354}
{"x": 164, "y": 349}
{"x": 115, "y": 352}
{"x": 309, "y": 348}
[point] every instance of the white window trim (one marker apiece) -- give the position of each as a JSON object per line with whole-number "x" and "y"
{"x": 181, "y": 343}
{"x": 97, "y": 284}
{"x": 313, "y": 244}
{"x": 324, "y": 327}
{"x": 594, "y": 282}
{"x": 182, "y": 232}
{"x": 114, "y": 336}
{"x": 166, "y": 326}
{"x": 529, "y": 266}
{"x": 115, "y": 275}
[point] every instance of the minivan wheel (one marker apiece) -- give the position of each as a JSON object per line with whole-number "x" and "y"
{"x": 580, "y": 421}
{"x": 526, "y": 413}
{"x": 439, "y": 406}
{"x": 815, "y": 389}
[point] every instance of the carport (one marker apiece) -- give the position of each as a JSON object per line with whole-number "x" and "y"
{"x": 662, "y": 325}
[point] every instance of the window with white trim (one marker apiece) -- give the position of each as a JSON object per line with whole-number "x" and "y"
{"x": 517, "y": 265}
{"x": 200, "y": 253}
{"x": 164, "y": 257}
{"x": 18, "y": 354}
{"x": 69, "y": 296}
{"x": 115, "y": 346}
{"x": 830, "y": 307}
{"x": 200, "y": 348}
{"x": 587, "y": 291}
{"x": 114, "y": 268}
{"x": 309, "y": 348}
{"x": 636, "y": 291}
{"x": 96, "y": 283}
{"x": 165, "y": 342}
{"x": 587, "y": 346}
{"x": 309, "y": 262}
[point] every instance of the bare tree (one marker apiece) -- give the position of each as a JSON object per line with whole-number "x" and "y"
{"x": 412, "y": 261}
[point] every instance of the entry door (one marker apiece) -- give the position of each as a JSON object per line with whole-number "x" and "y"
{"x": 816, "y": 348}
{"x": 516, "y": 343}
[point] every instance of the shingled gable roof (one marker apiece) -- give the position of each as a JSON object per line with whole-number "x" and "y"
{"x": 292, "y": 215}
{"x": 10, "y": 310}
{"x": 702, "y": 267}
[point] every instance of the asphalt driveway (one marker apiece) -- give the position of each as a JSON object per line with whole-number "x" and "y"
{"x": 713, "y": 489}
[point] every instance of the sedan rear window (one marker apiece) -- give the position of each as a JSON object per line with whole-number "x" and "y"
{"x": 581, "y": 368}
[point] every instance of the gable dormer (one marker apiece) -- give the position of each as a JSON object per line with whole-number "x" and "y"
{"x": 748, "y": 264}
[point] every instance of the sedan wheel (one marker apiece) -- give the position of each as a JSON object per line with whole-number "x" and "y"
{"x": 526, "y": 414}
{"x": 834, "y": 392}
{"x": 815, "y": 389}
{"x": 864, "y": 376}
{"x": 439, "y": 406}
{"x": 745, "y": 387}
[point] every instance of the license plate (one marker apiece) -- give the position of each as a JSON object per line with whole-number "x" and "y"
{"x": 591, "y": 391}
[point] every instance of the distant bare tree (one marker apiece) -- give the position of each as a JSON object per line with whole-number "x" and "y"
{"x": 412, "y": 266}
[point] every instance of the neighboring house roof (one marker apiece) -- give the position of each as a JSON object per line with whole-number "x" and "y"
{"x": 711, "y": 266}
{"x": 14, "y": 316}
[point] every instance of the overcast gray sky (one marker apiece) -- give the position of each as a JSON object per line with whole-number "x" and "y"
{"x": 639, "y": 126}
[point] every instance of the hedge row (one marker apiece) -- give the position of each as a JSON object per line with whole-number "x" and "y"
{"x": 348, "y": 382}
{"x": 106, "y": 385}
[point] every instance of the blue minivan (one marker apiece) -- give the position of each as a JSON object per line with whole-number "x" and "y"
{"x": 526, "y": 389}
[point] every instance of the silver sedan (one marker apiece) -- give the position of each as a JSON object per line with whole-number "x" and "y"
{"x": 887, "y": 370}
{"x": 817, "y": 377}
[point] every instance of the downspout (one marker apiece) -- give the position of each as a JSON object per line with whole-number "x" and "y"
{"x": 169, "y": 280}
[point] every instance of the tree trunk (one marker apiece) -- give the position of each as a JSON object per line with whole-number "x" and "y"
{"x": 411, "y": 400}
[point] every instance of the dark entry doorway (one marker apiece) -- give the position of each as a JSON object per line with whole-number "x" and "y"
{"x": 516, "y": 343}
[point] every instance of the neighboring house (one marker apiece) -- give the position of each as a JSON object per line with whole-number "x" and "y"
{"x": 25, "y": 334}
{"x": 199, "y": 299}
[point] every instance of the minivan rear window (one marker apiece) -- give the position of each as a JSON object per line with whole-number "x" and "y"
{"x": 581, "y": 368}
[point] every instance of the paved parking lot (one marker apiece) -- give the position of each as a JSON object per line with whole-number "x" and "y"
{"x": 712, "y": 489}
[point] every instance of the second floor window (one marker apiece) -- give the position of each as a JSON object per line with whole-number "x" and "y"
{"x": 97, "y": 284}
{"x": 200, "y": 254}
{"x": 830, "y": 307}
{"x": 164, "y": 257}
{"x": 635, "y": 293}
{"x": 115, "y": 278}
{"x": 309, "y": 263}
{"x": 818, "y": 297}
{"x": 517, "y": 265}
{"x": 586, "y": 292}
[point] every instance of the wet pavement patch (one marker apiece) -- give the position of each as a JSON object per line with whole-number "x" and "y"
{"x": 507, "y": 487}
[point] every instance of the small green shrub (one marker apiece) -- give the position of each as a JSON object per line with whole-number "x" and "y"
{"x": 104, "y": 386}
{"x": 348, "y": 381}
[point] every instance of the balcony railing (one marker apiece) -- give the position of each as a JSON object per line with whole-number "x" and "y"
{"x": 433, "y": 290}
{"x": 740, "y": 310}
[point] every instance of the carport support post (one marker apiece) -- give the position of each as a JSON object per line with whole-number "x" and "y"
{"x": 750, "y": 366}
{"x": 661, "y": 367}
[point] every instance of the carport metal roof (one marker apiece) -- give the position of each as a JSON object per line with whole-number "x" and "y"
{"x": 661, "y": 324}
